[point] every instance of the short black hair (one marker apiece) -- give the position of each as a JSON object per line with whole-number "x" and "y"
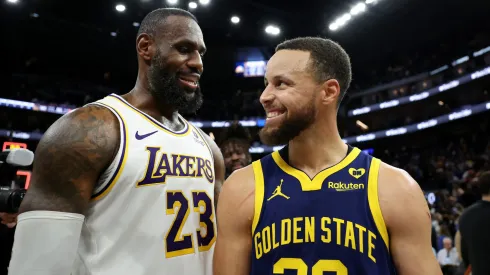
{"x": 484, "y": 183}
{"x": 328, "y": 60}
{"x": 154, "y": 19}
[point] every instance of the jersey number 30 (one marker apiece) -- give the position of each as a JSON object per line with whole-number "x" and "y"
{"x": 177, "y": 244}
{"x": 321, "y": 266}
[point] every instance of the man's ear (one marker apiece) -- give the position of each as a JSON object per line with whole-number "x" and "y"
{"x": 145, "y": 46}
{"x": 330, "y": 92}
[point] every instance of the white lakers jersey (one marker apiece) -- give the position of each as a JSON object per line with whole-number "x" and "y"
{"x": 152, "y": 211}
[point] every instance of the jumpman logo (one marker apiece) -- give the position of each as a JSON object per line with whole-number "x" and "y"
{"x": 278, "y": 192}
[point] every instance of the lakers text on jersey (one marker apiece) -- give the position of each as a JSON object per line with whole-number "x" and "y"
{"x": 152, "y": 210}
{"x": 331, "y": 224}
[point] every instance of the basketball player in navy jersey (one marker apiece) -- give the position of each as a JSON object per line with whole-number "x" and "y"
{"x": 125, "y": 185}
{"x": 318, "y": 206}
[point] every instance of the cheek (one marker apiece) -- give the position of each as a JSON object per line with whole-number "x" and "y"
{"x": 175, "y": 61}
{"x": 294, "y": 99}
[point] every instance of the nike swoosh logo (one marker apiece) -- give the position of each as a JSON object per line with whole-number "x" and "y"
{"x": 140, "y": 137}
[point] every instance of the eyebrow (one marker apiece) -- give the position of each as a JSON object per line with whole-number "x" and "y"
{"x": 283, "y": 76}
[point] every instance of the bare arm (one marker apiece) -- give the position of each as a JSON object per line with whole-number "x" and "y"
{"x": 457, "y": 243}
{"x": 219, "y": 166}
{"x": 69, "y": 159}
{"x": 235, "y": 216}
{"x": 408, "y": 221}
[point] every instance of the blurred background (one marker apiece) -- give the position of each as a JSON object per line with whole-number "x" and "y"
{"x": 419, "y": 99}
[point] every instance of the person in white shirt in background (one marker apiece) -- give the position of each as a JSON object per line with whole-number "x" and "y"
{"x": 448, "y": 257}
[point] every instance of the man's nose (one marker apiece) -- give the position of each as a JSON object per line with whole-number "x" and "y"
{"x": 266, "y": 97}
{"x": 196, "y": 62}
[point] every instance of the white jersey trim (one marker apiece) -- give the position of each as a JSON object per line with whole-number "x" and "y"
{"x": 201, "y": 134}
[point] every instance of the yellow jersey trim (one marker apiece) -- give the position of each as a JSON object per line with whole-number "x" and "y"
{"x": 153, "y": 121}
{"x": 122, "y": 162}
{"x": 259, "y": 193}
{"x": 316, "y": 183}
{"x": 373, "y": 201}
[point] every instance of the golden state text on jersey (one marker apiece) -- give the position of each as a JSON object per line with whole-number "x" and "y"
{"x": 152, "y": 210}
{"x": 331, "y": 224}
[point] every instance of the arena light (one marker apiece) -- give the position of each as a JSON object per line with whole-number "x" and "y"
{"x": 357, "y": 9}
{"x": 113, "y": 34}
{"x": 192, "y": 5}
{"x": 204, "y": 2}
{"x": 343, "y": 19}
{"x": 423, "y": 95}
{"x": 120, "y": 7}
{"x": 235, "y": 19}
{"x": 136, "y": 24}
{"x": 13, "y": 1}
{"x": 272, "y": 30}
{"x": 172, "y": 2}
{"x": 406, "y": 129}
{"x": 34, "y": 15}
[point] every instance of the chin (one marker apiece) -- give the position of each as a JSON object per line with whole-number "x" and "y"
{"x": 271, "y": 136}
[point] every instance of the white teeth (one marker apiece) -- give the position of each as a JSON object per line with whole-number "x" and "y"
{"x": 190, "y": 82}
{"x": 273, "y": 114}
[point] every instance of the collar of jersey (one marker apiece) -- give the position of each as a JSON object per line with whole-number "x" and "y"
{"x": 153, "y": 121}
{"x": 308, "y": 184}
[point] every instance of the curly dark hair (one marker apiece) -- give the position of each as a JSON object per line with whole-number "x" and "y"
{"x": 236, "y": 133}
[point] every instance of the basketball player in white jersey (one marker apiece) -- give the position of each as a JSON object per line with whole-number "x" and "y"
{"x": 125, "y": 185}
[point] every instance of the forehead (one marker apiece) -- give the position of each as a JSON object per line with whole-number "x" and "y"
{"x": 180, "y": 28}
{"x": 287, "y": 62}
{"x": 233, "y": 145}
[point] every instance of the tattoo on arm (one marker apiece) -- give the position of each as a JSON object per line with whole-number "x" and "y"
{"x": 69, "y": 159}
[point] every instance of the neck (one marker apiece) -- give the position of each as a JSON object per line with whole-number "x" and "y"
{"x": 317, "y": 148}
{"x": 141, "y": 98}
{"x": 486, "y": 197}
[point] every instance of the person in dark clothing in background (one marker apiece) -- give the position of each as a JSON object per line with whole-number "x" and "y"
{"x": 6, "y": 242}
{"x": 433, "y": 238}
{"x": 474, "y": 231}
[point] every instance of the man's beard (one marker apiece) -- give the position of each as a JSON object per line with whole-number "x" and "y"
{"x": 164, "y": 87}
{"x": 290, "y": 128}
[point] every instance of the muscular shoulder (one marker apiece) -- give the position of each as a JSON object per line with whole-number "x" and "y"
{"x": 91, "y": 126}
{"x": 238, "y": 196}
{"x": 69, "y": 159}
{"x": 400, "y": 196}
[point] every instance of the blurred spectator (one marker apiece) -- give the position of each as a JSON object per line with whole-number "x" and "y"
{"x": 448, "y": 257}
{"x": 234, "y": 144}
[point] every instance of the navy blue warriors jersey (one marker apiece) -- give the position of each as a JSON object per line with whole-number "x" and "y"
{"x": 331, "y": 224}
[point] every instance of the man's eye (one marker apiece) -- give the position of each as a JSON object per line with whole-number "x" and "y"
{"x": 184, "y": 49}
{"x": 281, "y": 84}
